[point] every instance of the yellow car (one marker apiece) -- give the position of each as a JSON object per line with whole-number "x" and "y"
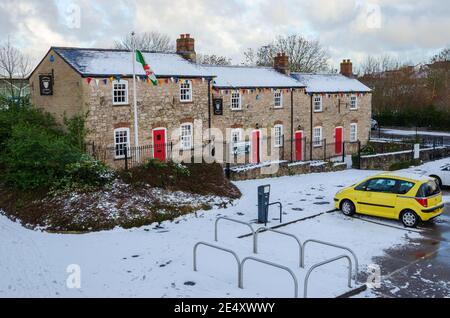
{"x": 409, "y": 198}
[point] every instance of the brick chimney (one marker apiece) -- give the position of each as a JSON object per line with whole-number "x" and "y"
{"x": 347, "y": 68}
{"x": 186, "y": 47}
{"x": 281, "y": 63}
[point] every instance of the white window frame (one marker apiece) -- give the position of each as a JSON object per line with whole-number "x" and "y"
{"x": 317, "y": 101}
{"x": 236, "y": 96}
{"x": 187, "y": 141}
{"x": 121, "y": 143}
{"x": 353, "y": 102}
{"x": 278, "y": 134}
{"x": 353, "y": 132}
{"x": 239, "y": 132}
{"x": 278, "y": 99}
{"x": 125, "y": 90}
{"x": 186, "y": 91}
{"x": 318, "y": 139}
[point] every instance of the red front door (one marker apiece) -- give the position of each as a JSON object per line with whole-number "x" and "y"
{"x": 256, "y": 135}
{"x": 159, "y": 144}
{"x": 299, "y": 146}
{"x": 339, "y": 134}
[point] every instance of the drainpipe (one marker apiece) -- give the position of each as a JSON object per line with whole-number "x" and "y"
{"x": 311, "y": 127}
{"x": 292, "y": 124}
{"x": 209, "y": 109}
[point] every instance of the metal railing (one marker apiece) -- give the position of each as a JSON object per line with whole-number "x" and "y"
{"x": 216, "y": 235}
{"x": 302, "y": 261}
{"x": 281, "y": 209}
{"x": 305, "y": 290}
{"x": 287, "y": 269}
{"x": 222, "y": 249}
{"x": 281, "y": 233}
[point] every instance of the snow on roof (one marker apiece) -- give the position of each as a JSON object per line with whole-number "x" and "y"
{"x": 249, "y": 77}
{"x": 330, "y": 83}
{"x": 103, "y": 62}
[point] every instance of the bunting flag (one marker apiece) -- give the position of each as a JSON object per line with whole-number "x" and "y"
{"x": 97, "y": 81}
{"x": 148, "y": 71}
{"x": 89, "y": 80}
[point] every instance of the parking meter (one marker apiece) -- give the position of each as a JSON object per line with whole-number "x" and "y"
{"x": 263, "y": 203}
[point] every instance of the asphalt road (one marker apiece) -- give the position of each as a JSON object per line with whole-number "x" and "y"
{"x": 421, "y": 268}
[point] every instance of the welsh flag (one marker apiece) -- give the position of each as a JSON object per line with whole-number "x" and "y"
{"x": 148, "y": 71}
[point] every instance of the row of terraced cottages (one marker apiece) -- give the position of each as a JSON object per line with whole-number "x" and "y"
{"x": 299, "y": 115}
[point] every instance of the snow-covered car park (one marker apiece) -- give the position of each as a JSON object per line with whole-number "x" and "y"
{"x": 157, "y": 260}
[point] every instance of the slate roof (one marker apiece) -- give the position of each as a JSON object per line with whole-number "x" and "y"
{"x": 104, "y": 62}
{"x": 330, "y": 83}
{"x": 251, "y": 77}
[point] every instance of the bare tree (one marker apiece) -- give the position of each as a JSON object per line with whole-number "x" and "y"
{"x": 14, "y": 69}
{"x": 213, "y": 59}
{"x": 147, "y": 41}
{"x": 304, "y": 55}
{"x": 378, "y": 65}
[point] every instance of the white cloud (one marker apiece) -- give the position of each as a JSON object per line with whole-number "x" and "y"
{"x": 409, "y": 28}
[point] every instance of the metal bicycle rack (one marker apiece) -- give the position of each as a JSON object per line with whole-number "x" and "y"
{"x": 222, "y": 249}
{"x": 287, "y": 269}
{"x": 302, "y": 261}
{"x": 216, "y": 237}
{"x": 305, "y": 291}
{"x": 281, "y": 233}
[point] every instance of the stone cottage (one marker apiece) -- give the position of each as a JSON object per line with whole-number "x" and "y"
{"x": 248, "y": 105}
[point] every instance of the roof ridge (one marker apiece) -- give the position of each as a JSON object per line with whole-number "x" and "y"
{"x": 104, "y": 50}
{"x": 238, "y": 66}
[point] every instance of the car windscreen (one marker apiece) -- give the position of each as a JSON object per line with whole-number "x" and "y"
{"x": 428, "y": 189}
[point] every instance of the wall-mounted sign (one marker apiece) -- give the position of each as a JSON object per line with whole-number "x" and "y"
{"x": 46, "y": 85}
{"x": 218, "y": 106}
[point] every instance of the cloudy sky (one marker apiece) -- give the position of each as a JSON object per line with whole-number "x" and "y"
{"x": 410, "y": 29}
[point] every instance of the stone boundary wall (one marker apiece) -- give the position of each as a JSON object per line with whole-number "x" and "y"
{"x": 285, "y": 169}
{"x": 385, "y": 161}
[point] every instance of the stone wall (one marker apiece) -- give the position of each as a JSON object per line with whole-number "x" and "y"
{"x": 158, "y": 107}
{"x": 385, "y": 161}
{"x": 284, "y": 169}
{"x": 67, "y": 98}
{"x": 337, "y": 113}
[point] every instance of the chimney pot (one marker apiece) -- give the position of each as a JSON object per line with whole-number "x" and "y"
{"x": 186, "y": 47}
{"x": 281, "y": 63}
{"x": 347, "y": 68}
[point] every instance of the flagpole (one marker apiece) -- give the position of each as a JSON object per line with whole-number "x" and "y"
{"x": 136, "y": 124}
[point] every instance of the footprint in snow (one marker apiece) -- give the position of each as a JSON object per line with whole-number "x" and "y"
{"x": 240, "y": 213}
{"x": 189, "y": 283}
{"x": 135, "y": 256}
{"x": 165, "y": 264}
{"x": 297, "y": 209}
{"x": 321, "y": 203}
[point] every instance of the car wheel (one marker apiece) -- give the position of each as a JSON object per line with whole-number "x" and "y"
{"x": 439, "y": 181}
{"x": 409, "y": 219}
{"x": 348, "y": 208}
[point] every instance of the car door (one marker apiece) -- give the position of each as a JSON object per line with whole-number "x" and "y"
{"x": 380, "y": 198}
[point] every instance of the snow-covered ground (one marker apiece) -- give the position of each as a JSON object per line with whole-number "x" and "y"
{"x": 156, "y": 261}
{"x": 401, "y": 132}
